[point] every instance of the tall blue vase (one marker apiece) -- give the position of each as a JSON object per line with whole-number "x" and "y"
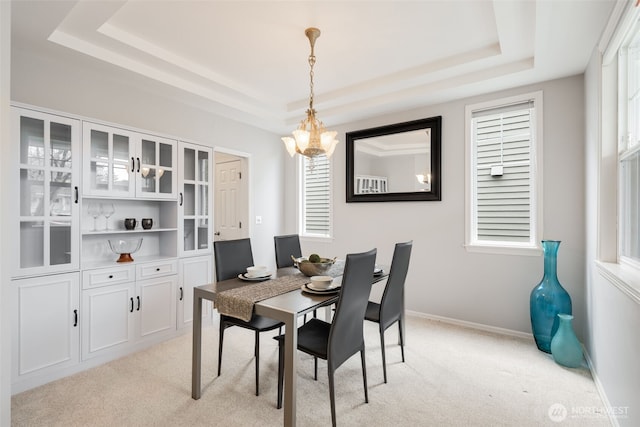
{"x": 565, "y": 347}
{"x": 548, "y": 299}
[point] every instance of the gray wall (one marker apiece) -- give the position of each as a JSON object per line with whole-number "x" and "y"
{"x": 444, "y": 279}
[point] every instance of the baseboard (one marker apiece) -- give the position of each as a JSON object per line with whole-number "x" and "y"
{"x": 471, "y": 325}
{"x": 600, "y": 387}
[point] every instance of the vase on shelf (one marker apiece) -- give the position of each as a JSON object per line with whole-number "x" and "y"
{"x": 548, "y": 299}
{"x": 565, "y": 347}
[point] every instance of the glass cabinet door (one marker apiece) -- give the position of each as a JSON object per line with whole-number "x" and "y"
{"x": 48, "y": 148}
{"x": 194, "y": 200}
{"x": 109, "y": 161}
{"x": 155, "y": 168}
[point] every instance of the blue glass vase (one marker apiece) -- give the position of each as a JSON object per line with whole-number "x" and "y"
{"x": 548, "y": 299}
{"x": 565, "y": 347}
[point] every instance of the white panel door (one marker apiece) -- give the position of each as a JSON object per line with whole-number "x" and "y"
{"x": 155, "y": 304}
{"x": 193, "y": 272}
{"x": 46, "y": 333}
{"x": 228, "y": 187}
{"x": 108, "y": 319}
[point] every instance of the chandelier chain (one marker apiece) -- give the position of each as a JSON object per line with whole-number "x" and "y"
{"x": 312, "y": 61}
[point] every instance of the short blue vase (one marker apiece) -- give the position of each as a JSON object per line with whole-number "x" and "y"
{"x": 548, "y": 299}
{"x": 565, "y": 347}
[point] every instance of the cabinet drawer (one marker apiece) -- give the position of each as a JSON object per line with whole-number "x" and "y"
{"x": 107, "y": 276}
{"x": 155, "y": 269}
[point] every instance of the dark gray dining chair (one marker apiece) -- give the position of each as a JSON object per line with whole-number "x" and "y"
{"x": 336, "y": 342}
{"x": 286, "y": 247}
{"x": 391, "y": 306}
{"x": 232, "y": 257}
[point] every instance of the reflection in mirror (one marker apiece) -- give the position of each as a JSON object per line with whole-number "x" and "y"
{"x": 399, "y": 162}
{"x": 396, "y": 163}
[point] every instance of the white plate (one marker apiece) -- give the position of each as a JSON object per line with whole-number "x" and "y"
{"x": 243, "y": 276}
{"x": 334, "y": 290}
{"x": 331, "y": 287}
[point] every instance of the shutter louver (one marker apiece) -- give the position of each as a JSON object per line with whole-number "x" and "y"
{"x": 503, "y": 203}
{"x": 316, "y": 196}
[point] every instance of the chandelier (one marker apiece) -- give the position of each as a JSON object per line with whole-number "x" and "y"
{"x": 311, "y": 139}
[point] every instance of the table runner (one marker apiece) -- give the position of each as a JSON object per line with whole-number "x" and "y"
{"x": 239, "y": 302}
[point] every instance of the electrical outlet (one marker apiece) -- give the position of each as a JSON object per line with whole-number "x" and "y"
{"x": 258, "y": 219}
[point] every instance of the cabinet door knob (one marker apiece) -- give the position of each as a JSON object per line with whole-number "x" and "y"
{"x": 181, "y": 199}
{"x": 138, "y": 298}
{"x": 158, "y": 269}
{"x": 76, "y": 194}
{"x": 181, "y": 293}
{"x": 75, "y": 318}
{"x": 111, "y": 276}
{"x": 138, "y": 159}
{"x": 133, "y": 164}
{"x": 131, "y": 311}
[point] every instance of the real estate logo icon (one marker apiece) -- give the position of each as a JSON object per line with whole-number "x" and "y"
{"x": 557, "y": 412}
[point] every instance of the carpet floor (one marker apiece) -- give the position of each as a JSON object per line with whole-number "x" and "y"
{"x": 453, "y": 376}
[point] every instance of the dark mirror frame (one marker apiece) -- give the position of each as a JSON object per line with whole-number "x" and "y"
{"x": 435, "y": 124}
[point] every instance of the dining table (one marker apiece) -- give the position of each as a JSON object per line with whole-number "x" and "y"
{"x": 285, "y": 307}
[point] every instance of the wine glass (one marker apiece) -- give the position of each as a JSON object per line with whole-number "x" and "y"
{"x": 107, "y": 210}
{"x": 94, "y": 210}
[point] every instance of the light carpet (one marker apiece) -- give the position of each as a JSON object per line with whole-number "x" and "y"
{"x": 453, "y": 376}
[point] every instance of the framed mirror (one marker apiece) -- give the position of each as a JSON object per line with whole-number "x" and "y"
{"x": 395, "y": 163}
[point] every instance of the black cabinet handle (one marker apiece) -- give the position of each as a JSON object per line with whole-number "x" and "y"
{"x": 131, "y": 311}
{"x": 181, "y": 293}
{"x": 133, "y": 164}
{"x": 138, "y": 298}
{"x": 138, "y": 159}
{"x": 111, "y": 276}
{"x": 75, "y": 318}
{"x": 76, "y": 192}
{"x": 181, "y": 199}
{"x": 158, "y": 269}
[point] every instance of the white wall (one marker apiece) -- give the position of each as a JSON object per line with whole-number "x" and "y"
{"x": 612, "y": 341}
{"x": 444, "y": 279}
{"x": 5, "y": 329}
{"x": 50, "y": 83}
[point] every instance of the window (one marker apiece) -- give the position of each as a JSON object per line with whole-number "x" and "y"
{"x": 503, "y": 151}
{"x": 629, "y": 148}
{"x": 315, "y": 197}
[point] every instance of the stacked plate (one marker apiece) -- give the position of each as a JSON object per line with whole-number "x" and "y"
{"x": 255, "y": 273}
{"x": 321, "y": 285}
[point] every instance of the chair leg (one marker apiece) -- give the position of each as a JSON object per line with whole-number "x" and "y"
{"x": 401, "y": 338}
{"x": 257, "y": 353}
{"x": 220, "y": 341}
{"x": 315, "y": 368}
{"x": 280, "y": 372}
{"x": 364, "y": 376}
{"x": 384, "y": 359}
{"x": 332, "y": 396}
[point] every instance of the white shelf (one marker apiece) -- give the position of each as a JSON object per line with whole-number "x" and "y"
{"x": 134, "y": 231}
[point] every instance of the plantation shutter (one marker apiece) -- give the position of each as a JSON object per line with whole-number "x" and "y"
{"x": 503, "y": 140}
{"x": 316, "y": 196}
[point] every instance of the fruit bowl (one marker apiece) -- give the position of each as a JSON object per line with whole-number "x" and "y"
{"x": 125, "y": 247}
{"x": 318, "y": 268}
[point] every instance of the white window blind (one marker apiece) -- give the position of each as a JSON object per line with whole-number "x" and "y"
{"x": 503, "y": 179}
{"x": 316, "y": 196}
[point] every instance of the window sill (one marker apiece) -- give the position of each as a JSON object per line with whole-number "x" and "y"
{"x": 504, "y": 250}
{"x": 623, "y": 277}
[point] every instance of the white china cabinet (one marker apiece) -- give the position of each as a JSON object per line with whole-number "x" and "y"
{"x": 194, "y": 202}
{"x": 122, "y": 163}
{"x": 47, "y": 153}
{"x": 74, "y": 306}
